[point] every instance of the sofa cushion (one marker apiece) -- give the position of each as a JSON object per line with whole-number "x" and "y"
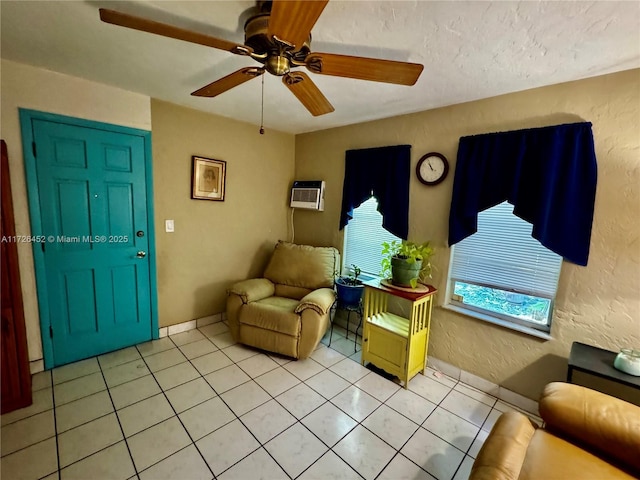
{"x": 302, "y": 265}
{"x": 551, "y": 457}
{"x": 273, "y": 313}
{"x": 583, "y": 415}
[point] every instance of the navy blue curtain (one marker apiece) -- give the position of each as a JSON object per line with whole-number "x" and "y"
{"x": 383, "y": 172}
{"x": 548, "y": 174}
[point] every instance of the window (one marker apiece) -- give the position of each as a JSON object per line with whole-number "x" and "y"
{"x": 363, "y": 239}
{"x": 503, "y": 272}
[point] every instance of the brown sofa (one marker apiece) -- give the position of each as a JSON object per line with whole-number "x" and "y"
{"x": 586, "y": 435}
{"x": 286, "y": 311}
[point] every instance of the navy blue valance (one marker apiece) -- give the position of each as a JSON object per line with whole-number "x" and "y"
{"x": 548, "y": 174}
{"x": 383, "y": 172}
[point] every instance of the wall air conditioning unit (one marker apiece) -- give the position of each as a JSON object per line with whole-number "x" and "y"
{"x": 308, "y": 195}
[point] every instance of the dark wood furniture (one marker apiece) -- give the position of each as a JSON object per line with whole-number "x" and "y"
{"x": 598, "y": 362}
{"x": 16, "y": 377}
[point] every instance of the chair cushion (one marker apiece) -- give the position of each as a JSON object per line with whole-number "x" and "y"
{"x": 270, "y": 341}
{"x": 273, "y": 313}
{"x": 302, "y": 265}
{"x": 290, "y": 292}
{"x": 582, "y": 415}
{"x": 253, "y": 289}
{"x": 551, "y": 457}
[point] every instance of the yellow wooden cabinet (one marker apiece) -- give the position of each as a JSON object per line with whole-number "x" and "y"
{"x": 393, "y": 343}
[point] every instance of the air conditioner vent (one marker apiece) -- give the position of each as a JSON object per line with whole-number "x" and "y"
{"x": 308, "y": 194}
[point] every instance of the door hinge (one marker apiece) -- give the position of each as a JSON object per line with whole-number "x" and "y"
{"x": 50, "y": 331}
{"x": 33, "y": 147}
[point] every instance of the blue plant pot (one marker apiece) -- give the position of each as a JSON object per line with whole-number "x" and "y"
{"x": 349, "y": 295}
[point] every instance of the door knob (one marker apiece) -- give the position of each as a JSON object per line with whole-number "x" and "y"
{"x": 141, "y": 254}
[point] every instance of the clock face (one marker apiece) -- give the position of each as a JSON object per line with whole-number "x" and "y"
{"x": 432, "y": 168}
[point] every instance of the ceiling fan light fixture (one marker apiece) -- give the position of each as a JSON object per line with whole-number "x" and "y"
{"x": 277, "y": 65}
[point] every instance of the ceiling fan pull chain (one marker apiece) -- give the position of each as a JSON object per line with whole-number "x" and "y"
{"x": 262, "y": 109}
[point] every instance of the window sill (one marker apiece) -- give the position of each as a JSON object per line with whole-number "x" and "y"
{"x": 499, "y": 322}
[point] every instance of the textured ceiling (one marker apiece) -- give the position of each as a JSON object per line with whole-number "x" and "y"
{"x": 470, "y": 50}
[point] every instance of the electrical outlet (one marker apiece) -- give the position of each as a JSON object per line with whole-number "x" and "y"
{"x": 169, "y": 226}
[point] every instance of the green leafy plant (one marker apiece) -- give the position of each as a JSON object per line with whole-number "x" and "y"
{"x": 410, "y": 252}
{"x": 352, "y": 278}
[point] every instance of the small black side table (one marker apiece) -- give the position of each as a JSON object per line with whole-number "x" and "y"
{"x": 598, "y": 362}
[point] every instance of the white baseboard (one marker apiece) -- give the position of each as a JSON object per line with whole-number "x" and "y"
{"x": 191, "y": 324}
{"x": 508, "y": 396}
{"x": 452, "y": 371}
{"x": 36, "y": 366}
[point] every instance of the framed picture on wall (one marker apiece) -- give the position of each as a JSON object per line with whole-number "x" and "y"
{"x": 208, "y": 178}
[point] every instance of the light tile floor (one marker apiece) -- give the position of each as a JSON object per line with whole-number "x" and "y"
{"x": 197, "y": 406}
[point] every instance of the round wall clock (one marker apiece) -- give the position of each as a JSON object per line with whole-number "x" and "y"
{"x": 432, "y": 168}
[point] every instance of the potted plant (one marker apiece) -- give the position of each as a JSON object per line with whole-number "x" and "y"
{"x": 349, "y": 288}
{"x": 406, "y": 262}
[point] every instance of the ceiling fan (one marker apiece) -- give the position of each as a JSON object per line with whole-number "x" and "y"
{"x": 279, "y": 37}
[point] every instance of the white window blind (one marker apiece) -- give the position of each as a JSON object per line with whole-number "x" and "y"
{"x": 363, "y": 238}
{"x": 504, "y": 255}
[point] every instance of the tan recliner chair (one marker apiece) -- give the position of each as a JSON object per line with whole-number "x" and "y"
{"x": 587, "y": 435}
{"x": 286, "y": 311}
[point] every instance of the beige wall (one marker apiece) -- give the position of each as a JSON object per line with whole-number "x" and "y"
{"x": 24, "y": 86}
{"x": 215, "y": 243}
{"x": 598, "y": 304}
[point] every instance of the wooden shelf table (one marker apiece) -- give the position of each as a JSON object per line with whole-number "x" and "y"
{"x": 396, "y": 344}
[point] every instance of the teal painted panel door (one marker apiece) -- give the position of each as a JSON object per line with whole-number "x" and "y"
{"x": 92, "y": 196}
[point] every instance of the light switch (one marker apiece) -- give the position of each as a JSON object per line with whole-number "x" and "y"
{"x": 169, "y": 226}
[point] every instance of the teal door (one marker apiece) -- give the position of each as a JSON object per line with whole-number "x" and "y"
{"x": 94, "y": 221}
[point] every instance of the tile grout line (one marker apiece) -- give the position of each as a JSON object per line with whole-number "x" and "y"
{"x": 25, "y": 418}
{"x": 284, "y": 407}
{"x": 258, "y": 406}
{"x": 225, "y": 403}
{"x": 330, "y": 448}
{"x": 298, "y": 421}
{"x": 465, "y": 453}
{"x": 55, "y": 424}
{"x": 55, "y": 430}
{"x": 115, "y": 412}
{"x": 300, "y": 381}
{"x": 134, "y": 403}
{"x": 193, "y": 442}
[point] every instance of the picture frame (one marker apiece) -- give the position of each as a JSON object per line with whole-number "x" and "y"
{"x": 208, "y": 177}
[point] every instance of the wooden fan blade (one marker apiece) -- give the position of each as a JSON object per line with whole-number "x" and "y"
{"x": 227, "y": 83}
{"x": 362, "y": 68}
{"x": 292, "y": 20}
{"x": 144, "y": 25}
{"x": 306, "y": 91}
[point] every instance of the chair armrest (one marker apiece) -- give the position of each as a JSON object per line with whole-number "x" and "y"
{"x": 607, "y": 424}
{"x": 253, "y": 290}
{"x": 503, "y": 453}
{"x": 319, "y": 300}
